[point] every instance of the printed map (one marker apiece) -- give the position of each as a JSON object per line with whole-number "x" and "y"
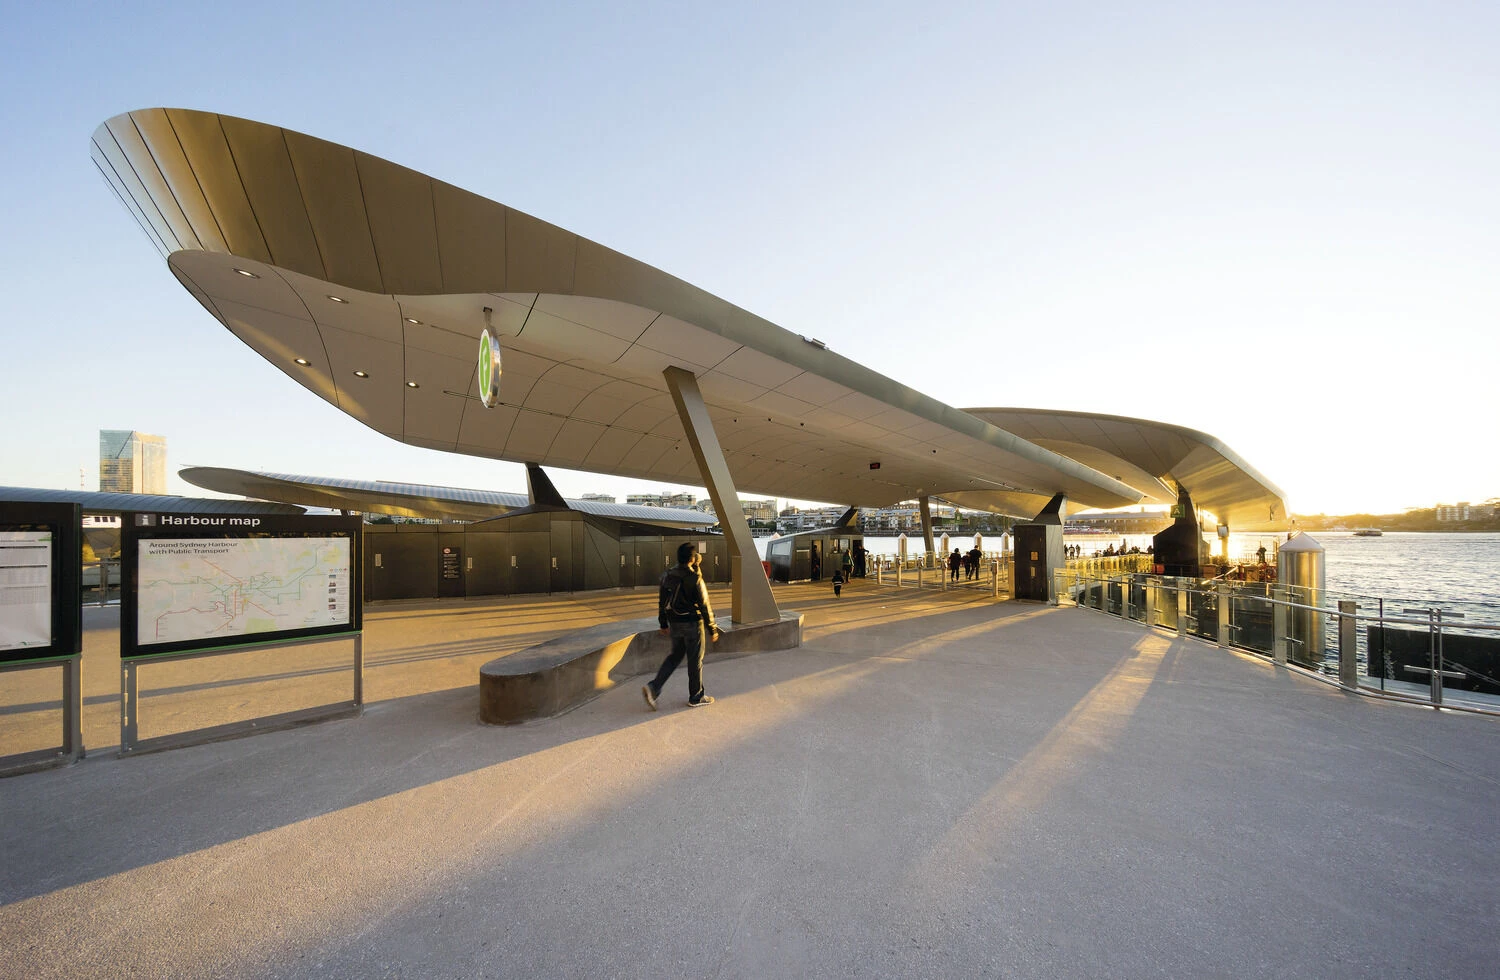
{"x": 213, "y": 588}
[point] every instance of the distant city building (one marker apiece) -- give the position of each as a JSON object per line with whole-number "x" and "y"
{"x": 1126, "y": 522}
{"x": 754, "y": 510}
{"x": 1455, "y": 512}
{"x": 599, "y": 498}
{"x": 132, "y": 462}
{"x": 794, "y": 519}
{"x": 759, "y": 510}
{"x": 663, "y": 499}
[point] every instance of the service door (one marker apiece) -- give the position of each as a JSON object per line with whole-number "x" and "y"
{"x": 531, "y": 569}
{"x": 560, "y": 561}
{"x": 627, "y": 563}
{"x": 486, "y": 563}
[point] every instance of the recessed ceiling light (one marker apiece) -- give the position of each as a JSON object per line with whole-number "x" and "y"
{"x": 247, "y": 273}
{"x": 412, "y": 384}
{"x": 413, "y": 320}
{"x": 337, "y": 299}
{"x": 302, "y": 361}
{"x": 360, "y": 374}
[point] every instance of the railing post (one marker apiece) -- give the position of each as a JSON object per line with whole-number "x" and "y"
{"x": 919, "y": 577}
{"x": 1435, "y": 646}
{"x": 1224, "y": 615}
{"x": 1279, "y": 622}
{"x": 1348, "y": 640}
{"x": 995, "y": 578}
{"x": 1181, "y": 611}
{"x": 899, "y": 569}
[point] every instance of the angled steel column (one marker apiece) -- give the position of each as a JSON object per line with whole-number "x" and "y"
{"x": 926, "y": 503}
{"x": 752, "y": 600}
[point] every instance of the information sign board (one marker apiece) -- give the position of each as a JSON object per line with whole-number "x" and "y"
{"x": 25, "y": 589}
{"x": 194, "y": 582}
{"x": 40, "y": 609}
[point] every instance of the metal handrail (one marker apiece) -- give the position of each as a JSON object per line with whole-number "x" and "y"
{"x": 1437, "y": 622}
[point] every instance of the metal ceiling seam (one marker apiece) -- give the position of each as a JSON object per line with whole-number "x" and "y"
{"x": 437, "y": 236}
{"x": 638, "y": 336}
{"x": 117, "y": 183}
{"x": 338, "y": 391}
{"x": 213, "y": 307}
{"x": 364, "y": 210}
{"x": 464, "y": 409}
{"x": 135, "y": 172}
{"x": 197, "y": 182}
{"x": 302, "y": 196}
{"x": 131, "y": 211}
{"x": 529, "y": 310}
{"x": 176, "y": 201}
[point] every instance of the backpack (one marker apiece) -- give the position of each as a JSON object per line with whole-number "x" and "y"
{"x": 684, "y": 597}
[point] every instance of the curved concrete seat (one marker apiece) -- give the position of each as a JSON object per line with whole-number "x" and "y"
{"x": 568, "y": 670}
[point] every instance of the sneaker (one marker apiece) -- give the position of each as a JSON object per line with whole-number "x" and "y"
{"x": 701, "y": 702}
{"x": 649, "y": 695}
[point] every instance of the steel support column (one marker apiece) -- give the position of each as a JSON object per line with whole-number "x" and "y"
{"x": 926, "y": 503}
{"x": 751, "y": 601}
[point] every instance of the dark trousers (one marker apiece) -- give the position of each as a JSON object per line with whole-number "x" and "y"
{"x": 687, "y": 643}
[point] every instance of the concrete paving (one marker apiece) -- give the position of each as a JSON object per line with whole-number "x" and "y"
{"x": 934, "y": 785}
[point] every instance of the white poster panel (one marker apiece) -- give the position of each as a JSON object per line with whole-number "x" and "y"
{"x": 25, "y": 589}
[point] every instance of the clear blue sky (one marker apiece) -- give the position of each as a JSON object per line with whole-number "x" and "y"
{"x": 1278, "y": 224}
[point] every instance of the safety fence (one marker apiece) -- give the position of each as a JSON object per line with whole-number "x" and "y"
{"x": 1408, "y": 650}
{"x": 991, "y": 577}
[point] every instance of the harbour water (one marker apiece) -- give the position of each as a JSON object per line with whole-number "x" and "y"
{"x": 1455, "y": 572}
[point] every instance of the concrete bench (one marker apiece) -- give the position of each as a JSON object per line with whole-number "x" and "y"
{"x": 564, "y": 672}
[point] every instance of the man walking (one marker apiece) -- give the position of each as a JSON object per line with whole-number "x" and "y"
{"x": 683, "y": 613}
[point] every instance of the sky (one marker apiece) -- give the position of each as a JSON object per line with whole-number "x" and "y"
{"x": 1277, "y": 223}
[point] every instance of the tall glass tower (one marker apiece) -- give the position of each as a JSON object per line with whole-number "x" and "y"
{"x": 132, "y": 462}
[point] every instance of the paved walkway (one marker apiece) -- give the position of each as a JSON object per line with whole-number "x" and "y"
{"x": 933, "y": 785}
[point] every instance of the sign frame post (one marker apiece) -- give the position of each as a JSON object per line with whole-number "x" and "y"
{"x": 224, "y": 528}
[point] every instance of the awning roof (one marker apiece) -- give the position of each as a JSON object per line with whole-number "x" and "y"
{"x": 368, "y": 283}
{"x": 411, "y": 499}
{"x": 94, "y": 502}
{"x": 1155, "y": 458}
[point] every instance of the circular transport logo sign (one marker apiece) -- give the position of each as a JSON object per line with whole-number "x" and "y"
{"x": 489, "y": 370}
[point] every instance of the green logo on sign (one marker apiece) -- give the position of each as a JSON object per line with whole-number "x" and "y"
{"x": 489, "y": 370}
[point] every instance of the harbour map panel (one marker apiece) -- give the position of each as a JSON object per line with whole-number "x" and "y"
{"x": 212, "y": 590}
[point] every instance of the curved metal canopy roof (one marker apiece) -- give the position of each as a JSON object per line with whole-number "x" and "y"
{"x": 95, "y": 502}
{"x": 1153, "y": 457}
{"x": 411, "y": 499}
{"x": 367, "y": 283}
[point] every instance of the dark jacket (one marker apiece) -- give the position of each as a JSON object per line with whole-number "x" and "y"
{"x": 683, "y": 599}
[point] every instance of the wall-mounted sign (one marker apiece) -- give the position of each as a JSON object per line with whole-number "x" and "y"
{"x": 489, "y": 370}
{"x": 208, "y": 580}
{"x": 40, "y": 617}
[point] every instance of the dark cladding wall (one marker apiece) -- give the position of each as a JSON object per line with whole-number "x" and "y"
{"x": 526, "y": 554}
